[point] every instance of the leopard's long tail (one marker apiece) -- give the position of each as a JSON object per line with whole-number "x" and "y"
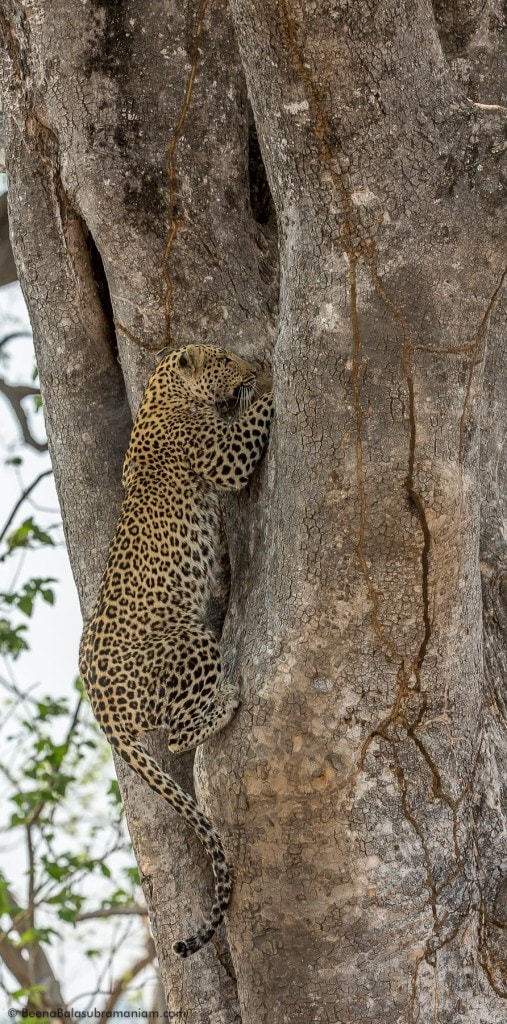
{"x": 148, "y": 769}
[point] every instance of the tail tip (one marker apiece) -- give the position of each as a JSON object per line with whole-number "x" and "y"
{"x": 187, "y": 947}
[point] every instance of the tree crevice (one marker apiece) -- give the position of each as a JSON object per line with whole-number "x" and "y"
{"x": 175, "y": 214}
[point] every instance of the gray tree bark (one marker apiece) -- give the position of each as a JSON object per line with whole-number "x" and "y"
{"x": 361, "y": 788}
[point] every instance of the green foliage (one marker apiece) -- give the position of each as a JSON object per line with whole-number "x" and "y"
{"x": 7, "y": 906}
{"x": 24, "y": 599}
{"x": 11, "y": 640}
{"x": 28, "y": 535}
{"x": 32, "y": 994}
{"x": 13, "y": 637}
{"x": 35, "y": 935}
{"x": 72, "y": 866}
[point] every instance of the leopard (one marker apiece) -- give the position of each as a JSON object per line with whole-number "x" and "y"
{"x": 148, "y": 657}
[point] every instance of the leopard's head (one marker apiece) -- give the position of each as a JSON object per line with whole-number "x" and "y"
{"x": 216, "y": 376}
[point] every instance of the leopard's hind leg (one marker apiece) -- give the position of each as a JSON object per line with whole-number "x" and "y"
{"x": 197, "y": 708}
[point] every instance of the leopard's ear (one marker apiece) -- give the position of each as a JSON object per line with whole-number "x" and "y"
{"x": 190, "y": 360}
{"x": 162, "y": 353}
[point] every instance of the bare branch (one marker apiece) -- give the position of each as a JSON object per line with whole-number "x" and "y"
{"x": 13, "y": 335}
{"x": 15, "y": 963}
{"x": 15, "y": 394}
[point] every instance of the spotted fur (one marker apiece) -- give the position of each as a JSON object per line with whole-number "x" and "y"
{"x": 147, "y": 657}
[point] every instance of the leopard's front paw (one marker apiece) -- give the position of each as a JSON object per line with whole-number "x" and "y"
{"x": 230, "y": 698}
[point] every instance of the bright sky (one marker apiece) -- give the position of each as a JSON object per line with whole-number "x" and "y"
{"x": 55, "y": 639}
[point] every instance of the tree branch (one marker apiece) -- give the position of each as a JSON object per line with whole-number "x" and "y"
{"x": 15, "y": 394}
{"x": 15, "y": 963}
{"x": 92, "y": 915}
{"x": 13, "y": 335}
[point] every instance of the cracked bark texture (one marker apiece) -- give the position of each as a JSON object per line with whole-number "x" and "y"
{"x": 361, "y": 788}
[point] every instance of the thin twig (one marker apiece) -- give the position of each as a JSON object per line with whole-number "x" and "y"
{"x": 22, "y": 498}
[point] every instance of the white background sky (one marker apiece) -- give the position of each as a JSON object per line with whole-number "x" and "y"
{"x": 55, "y": 638}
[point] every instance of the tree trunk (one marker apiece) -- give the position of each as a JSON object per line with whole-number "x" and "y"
{"x": 359, "y": 789}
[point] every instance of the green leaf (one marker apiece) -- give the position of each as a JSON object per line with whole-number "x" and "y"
{"x": 6, "y": 904}
{"x": 27, "y": 535}
{"x": 68, "y": 904}
{"x": 11, "y": 640}
{"x": 31, "y": 992}
{"x": 25, "y": 604}
{"x": 55, "y": 871}
{"x": 33, "y": 935}
{"x": 50, "y": 708}
{"x": 114, "y": 791}
{"x": 118, "y": 898}
{"x": 24, "y": 599}
{"x": 133, "y": 875}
